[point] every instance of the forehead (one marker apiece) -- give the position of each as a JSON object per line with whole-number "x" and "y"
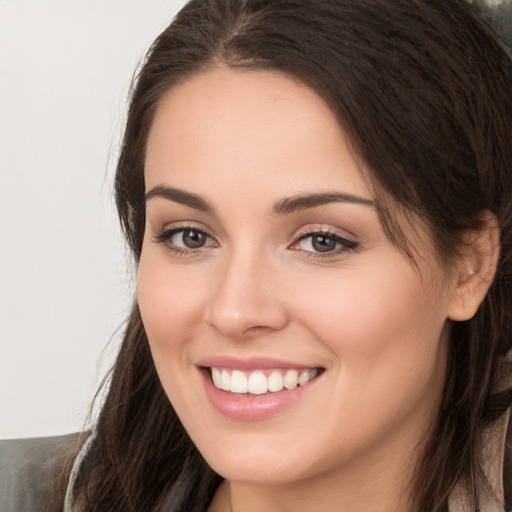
{"x": 248, "y": 125}
{"x": 246, "y": 140}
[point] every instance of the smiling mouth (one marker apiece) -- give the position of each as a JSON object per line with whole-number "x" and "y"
{"x": 259, "y": 382}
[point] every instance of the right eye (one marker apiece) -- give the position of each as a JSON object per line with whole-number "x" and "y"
{"x": 189, "y": 238}
{"x": 184, "y": 239}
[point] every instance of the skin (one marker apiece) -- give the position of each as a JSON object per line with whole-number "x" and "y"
{"x": 244, "y": 141}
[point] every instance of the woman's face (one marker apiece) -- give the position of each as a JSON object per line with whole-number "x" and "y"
{"x": 265, "y": 265}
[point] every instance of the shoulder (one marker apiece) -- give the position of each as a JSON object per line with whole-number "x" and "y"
{"x": 28, "y": 468}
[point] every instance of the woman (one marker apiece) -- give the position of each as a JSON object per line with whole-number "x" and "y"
{"x": 318, "y": 197}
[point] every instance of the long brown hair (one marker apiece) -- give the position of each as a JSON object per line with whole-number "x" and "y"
{"x": 423, "y": 90}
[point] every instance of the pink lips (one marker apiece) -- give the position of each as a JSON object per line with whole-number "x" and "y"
{"x": 252, "y": 363}
{"x": 247, "y": 406}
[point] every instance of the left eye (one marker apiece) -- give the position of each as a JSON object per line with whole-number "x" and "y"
{"x": 323, "y": 243}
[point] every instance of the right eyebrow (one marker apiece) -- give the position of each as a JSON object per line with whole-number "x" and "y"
{"x": 180, "y": 196}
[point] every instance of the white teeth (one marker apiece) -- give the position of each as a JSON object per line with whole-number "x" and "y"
{"x": 304, "y": 377}
{"x": 275, "y": 381}
{"x": 217, "y": 378}
{"x": 257, "y": 383}
{"x": 225, "y": 382}
{"x": 291, "y": 379}
{"x": 238, "y": 382}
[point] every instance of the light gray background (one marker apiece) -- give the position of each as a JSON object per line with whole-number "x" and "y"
{"x": 65, "y": 286}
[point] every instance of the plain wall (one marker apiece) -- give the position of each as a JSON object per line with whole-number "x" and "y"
{"x": 65, "y": 285}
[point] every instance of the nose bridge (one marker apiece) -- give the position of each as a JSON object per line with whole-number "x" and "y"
{"x": 245, "y": 302}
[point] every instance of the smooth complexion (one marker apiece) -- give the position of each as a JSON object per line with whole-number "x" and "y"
{"x": 263, "y": 248}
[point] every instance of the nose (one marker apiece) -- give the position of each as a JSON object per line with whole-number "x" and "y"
{"x": 245, "y": 303}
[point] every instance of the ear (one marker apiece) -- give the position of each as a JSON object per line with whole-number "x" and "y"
{"x": 475, "y": 269}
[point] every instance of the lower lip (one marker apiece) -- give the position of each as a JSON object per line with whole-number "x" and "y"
{"x": 252, "y": 407}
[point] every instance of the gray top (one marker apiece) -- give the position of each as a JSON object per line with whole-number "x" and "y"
{"x": 27, "y": 470}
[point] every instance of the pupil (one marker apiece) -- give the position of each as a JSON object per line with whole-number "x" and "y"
{"x": 194, "y": 239}
{"x": 323, "y": 243}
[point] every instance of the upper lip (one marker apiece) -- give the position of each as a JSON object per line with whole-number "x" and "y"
{"x": 251, "y": 363}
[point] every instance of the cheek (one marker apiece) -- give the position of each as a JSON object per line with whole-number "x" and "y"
{"x": 384, "y": 330}
{"x": 366, "y": 308}
{"x": 170, "y": 303}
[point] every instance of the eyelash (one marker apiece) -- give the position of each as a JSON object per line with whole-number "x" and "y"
{"x": 165, "y": 236}
{"x": 347, "y": 245}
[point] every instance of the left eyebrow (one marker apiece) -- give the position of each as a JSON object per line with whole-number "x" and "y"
{"x": 304, "y": 202}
